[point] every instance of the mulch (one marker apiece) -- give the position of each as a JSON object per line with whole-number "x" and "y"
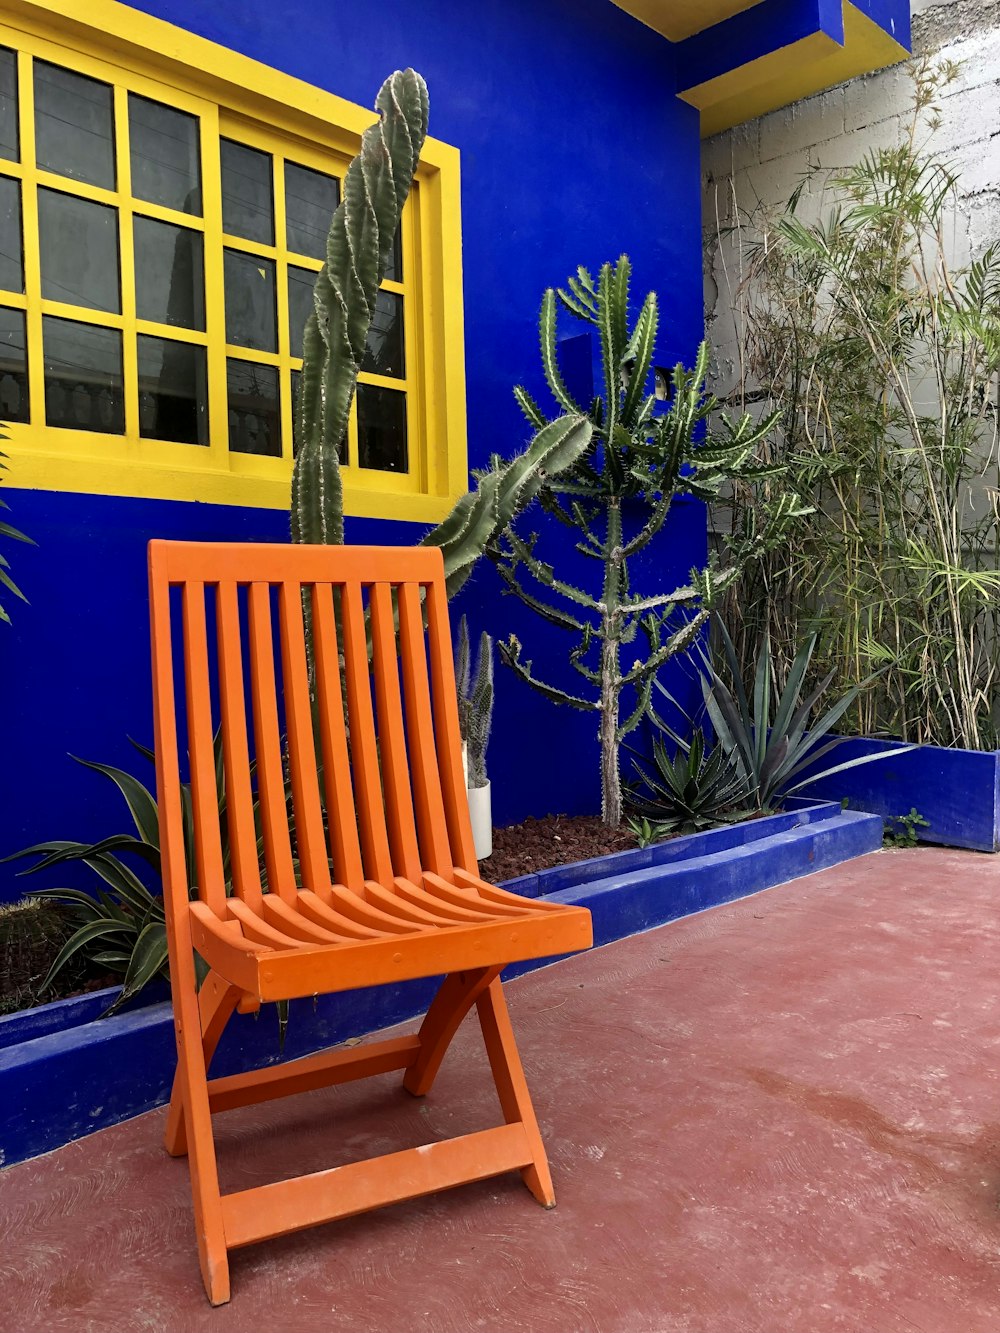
{"x": 539, "y": 844}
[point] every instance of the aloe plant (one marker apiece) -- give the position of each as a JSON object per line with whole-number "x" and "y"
{"x": 8, "y": 530}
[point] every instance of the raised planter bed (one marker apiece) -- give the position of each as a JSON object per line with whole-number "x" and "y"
{"x": 956, "y": 791}
{"x": 65, "y": 1072}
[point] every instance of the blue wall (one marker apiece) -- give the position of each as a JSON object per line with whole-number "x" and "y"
{"x": 574, "y": 149}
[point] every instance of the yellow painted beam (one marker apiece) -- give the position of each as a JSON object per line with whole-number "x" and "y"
{"x": 677, "y": 19}
{"x": 793, "y": 72}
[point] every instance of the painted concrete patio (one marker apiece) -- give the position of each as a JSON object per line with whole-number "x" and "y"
{"x": 782, "y": 1115}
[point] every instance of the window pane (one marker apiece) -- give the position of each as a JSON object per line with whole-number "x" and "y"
{"x": 381, "y": 429}
{"x": 254, "y": 416}
{"x": 74, "y": 132}
{"x": 310, "y": 201}
{"x": 173, "y": 391}
{"x": 247, "y": 208}
{"x": 301, "y": 282}
{"x": 163, "y": 147}
{"x": 169, "y": 274}
{"x": 8, "y": 105}
{"x": 11, "y": 266}
{"x": 83, "y": 376}
{"x": 79, "y": 248}
{"x": 394, "y": 268}
{"x": 384, "y": 349}
{"x": 13, "y": 366}
{"x": 250, "y": 314}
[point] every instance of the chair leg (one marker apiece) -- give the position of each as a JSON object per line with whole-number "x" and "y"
{"x": 216, "y": 1003}
{"x": 192, "y": 1077}
{"x": 512, "y": 1089}
{"x": 458, "y": 993}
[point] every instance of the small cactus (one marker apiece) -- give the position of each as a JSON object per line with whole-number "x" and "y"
{"x": 475, "y": 700}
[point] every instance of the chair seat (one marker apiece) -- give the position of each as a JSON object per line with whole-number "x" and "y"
{"x": 340, "y": 939}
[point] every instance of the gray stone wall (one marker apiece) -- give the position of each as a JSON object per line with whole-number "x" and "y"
{"x": 757, "y": 166}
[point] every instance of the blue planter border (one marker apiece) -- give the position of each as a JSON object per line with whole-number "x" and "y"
{"x": 956, "y": 791}
{"x": 61, "y": 1066}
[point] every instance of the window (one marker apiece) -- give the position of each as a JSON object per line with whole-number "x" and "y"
{"x": 158, "y": 252}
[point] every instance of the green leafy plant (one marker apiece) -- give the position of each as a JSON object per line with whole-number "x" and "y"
{"x": 120, "y": 926}
{"x": 881, "y": 356}
{"x": 8, "y": 530}
{"x": 642, "y": 458}
{"x": 901, "y": 830}
{"x": 475, "y": 700}
{"x": 687, "y": 786}
{"x": 647, "y": 832}
{"x": 769, "y": 736}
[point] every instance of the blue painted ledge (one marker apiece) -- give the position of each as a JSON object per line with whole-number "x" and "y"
{"x": 65, "y": 1073}
{"x": 956, "y": 791}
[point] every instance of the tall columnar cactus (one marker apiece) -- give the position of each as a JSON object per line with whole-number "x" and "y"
{"x": 361, "y": 235}
{"x": 475, "y": 700}
{"x": 638, "y": 457}
{"x": 357, "y": 253}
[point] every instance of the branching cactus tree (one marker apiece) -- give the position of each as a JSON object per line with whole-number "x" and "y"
{"x": 638, "y": 459}
{"x": 361, "y": 236}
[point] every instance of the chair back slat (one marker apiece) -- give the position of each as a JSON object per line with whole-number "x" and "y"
{"x": 350, "y": 776}
{"x": 267, "y": 738}
{"x": 364, "y": 745}
{"x": 204, "y": 789}
{"x": 243, "y": 855}
{"x": 314, "y": 864}
{"x": 432, "y": 826}
{"x": 446, "y": 728}
{"x": 340, "y": 810}
{"x": 392, "y": 736}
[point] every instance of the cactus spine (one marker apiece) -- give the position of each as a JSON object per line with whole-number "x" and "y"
{"x": 357, "y": 252}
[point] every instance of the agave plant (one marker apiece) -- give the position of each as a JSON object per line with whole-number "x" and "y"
{"x": 121, "y": 925}
{"x": 775, "y": 749}
{"x": 687, "y": 788}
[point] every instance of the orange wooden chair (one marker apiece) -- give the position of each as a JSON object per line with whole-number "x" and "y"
{"x": 368, "y": 871}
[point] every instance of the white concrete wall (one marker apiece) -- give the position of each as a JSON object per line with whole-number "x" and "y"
{"x": 757, "y": 166}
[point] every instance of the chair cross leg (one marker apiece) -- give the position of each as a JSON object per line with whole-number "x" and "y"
{"x": 216, "y": 1002}
{"x": 458, "y": 993}
{"x": 512, "y": 1089}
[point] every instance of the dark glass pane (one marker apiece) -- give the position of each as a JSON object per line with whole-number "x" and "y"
{"x": 74, "y": 125}
{"x": 169, "y": 274}
{"x": 11, "y": 264}
{"x": 79, "y": 248}
{"x": 163, "y": 147}
{"x": 13, "y": 366}
{"x": 394, "y": 268}
{"x": 254, "y": 415}
{"x": 310, "y": 201}
{"x": 8, "y": 105}
{"x": 301, "y": 282}
{"x": 381, "y": 429}
{"x": 250, "y": 313}
{"x": 83, "y": 376}
{"x": 384, "y": 348}
{"x": 173, "y": 391}
{"x": 247, "y": 206}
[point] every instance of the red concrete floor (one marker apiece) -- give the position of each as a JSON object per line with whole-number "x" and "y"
{"x": 780, "y": 1116}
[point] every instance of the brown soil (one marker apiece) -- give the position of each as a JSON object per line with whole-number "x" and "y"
{"x": 538, "y": 844}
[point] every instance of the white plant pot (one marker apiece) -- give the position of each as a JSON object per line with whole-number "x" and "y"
{"x": 481, "y": 813}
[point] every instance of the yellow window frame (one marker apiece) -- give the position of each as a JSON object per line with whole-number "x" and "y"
{"x": 235, "y": 97}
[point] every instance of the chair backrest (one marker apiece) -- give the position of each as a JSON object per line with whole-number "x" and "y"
{"x": 355, "y": 777}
